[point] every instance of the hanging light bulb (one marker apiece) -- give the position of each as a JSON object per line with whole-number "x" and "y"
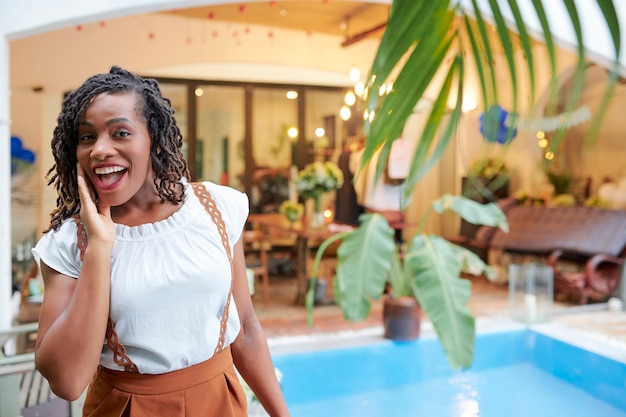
{"x": 359, "y": 88}
{"x": 319, "y": 132}
{"x": 345, "y": 113}
{"x": 350, "y": 98}
{"x": 355, "y": 73}
{"x": 292, "y": 132}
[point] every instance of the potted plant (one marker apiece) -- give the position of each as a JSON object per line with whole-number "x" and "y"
{"x": 425, "y": 45}
{"x": 427, "y": 271}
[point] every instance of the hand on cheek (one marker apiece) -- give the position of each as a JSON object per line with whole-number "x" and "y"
{"x": 95, "y": 215}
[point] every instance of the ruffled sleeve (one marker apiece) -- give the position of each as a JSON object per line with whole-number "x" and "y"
{"x": 234, "y": 206}
{"x": 58, "y": 250}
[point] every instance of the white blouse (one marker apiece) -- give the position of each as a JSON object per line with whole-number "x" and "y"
{"x": 169, "y": 281}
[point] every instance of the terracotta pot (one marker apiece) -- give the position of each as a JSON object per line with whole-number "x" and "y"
{"x": 402, "y": 318}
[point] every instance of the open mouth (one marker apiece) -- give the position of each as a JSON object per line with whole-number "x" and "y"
{"x": 109, "y": 176}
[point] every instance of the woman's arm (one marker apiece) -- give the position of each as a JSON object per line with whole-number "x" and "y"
{"x": 74, "y": 313}
{"x": 250, "y": 351}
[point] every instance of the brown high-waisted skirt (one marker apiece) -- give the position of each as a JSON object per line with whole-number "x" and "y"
{"x": 209, "y": 389}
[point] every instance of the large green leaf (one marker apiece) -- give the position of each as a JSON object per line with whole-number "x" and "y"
{"x": 489, "y": 214}
{"x": 443, "y": 295}
{"x": 419, "y": 53}
{"x": 363, "y": 264}
{"x": 424, "y": 157}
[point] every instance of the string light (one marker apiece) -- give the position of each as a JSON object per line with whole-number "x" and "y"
{"x": 355, "y": 74}
{"x": 345, "y": 113}
{"x": 359, "y": 88}
{"x": 350, "y": 98}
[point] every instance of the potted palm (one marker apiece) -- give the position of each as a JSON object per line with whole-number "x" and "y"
{"x": 427, "y": 272}
{"x": 426, "y": 45}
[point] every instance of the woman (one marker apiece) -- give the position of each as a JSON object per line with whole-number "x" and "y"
{"x": 144, "y": 273}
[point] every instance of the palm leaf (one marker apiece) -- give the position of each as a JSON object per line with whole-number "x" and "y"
{"x": 507, "y": 46}
{"x": 578, "y": 78}
{"x": 489, "y": 214}
{"x": 610, "y": 16}
{"x": 429, "y": 43}
{"x": 420, "y": 167}
{"x": 363, "y": 263}
{"x": 525, "y": 42}
{"x": 443, "y": 296}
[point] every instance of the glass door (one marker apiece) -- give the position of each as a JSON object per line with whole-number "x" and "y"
{"x": 220, "y": 134}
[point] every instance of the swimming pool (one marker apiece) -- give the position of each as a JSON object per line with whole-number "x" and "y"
{"x": 515, "y": 373}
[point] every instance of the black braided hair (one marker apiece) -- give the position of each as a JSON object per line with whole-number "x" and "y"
{"x": 168, "y": 163}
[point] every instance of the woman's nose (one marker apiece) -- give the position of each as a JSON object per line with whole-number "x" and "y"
{"x": 103, "y": 148}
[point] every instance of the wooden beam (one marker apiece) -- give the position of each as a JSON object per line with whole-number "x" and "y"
{"x": 363, "y": 35}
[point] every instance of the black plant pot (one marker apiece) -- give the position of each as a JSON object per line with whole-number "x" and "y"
{"x": 402, "y": 318}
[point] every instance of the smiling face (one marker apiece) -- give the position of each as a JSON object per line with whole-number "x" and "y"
{"x": 114, "y": 149}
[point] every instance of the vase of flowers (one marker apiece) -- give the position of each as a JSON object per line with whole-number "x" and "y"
{"x": 291, "y": 210}
{"x": 313, "y": 181}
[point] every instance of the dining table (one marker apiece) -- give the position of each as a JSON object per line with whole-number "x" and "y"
{"x": 305, "y": 236}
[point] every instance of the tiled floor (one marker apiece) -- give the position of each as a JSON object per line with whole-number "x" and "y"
{"x": 488, "y": 301}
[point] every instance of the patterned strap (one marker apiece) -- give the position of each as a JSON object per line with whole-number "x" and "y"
{"x": 112, "y": 340}
{"x": 209, "y": 204}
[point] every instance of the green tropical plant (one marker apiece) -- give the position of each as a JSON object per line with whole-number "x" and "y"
{"x": 429, "y": 269}
{"x": 427, "y": 43}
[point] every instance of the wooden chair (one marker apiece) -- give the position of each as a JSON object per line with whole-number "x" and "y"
{"x": 256, "y": 250}
{"x": 597, "y": 281}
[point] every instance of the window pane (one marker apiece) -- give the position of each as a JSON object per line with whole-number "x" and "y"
{"x": 323, "y": 125}
{"x": 274, "y": 135}
{"x": 220, "y": 124}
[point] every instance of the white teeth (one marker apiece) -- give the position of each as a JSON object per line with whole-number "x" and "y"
{"x": 108, "y": 170}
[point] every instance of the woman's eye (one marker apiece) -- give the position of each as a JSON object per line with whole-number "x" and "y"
{"x": 85, "y": 137}
{"x": 122, "y": 133}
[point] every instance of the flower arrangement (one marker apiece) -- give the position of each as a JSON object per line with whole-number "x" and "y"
{"x": 293, "y": 211}
{"x": 317, "y": 178}
{"x": 488, "y": 167}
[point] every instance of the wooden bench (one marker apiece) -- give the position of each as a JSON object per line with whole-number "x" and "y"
{"x": 585, "y": 246}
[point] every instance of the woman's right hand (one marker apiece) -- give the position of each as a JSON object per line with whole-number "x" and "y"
{"x": 95, "y": 215}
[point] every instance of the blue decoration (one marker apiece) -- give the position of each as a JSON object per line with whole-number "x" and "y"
{"x": 20, "y": 155}
{"x": 493, "y": 126}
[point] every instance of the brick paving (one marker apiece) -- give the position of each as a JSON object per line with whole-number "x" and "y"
{"x": 283, "y": 318}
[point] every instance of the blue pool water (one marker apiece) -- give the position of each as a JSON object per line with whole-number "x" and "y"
{"x": 515, "y": 373}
